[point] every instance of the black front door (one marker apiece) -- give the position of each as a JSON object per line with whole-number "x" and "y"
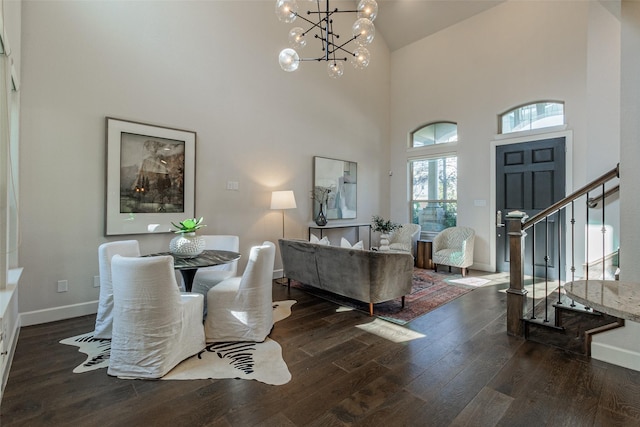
{"x": 530, "y": 177}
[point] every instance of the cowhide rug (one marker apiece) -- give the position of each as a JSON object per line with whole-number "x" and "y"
{"x": 244, "y": 360}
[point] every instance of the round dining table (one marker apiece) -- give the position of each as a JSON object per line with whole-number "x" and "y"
{"x": 208, "y": 258}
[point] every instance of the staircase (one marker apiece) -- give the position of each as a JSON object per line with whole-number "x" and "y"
{"x": 555, "y": 319}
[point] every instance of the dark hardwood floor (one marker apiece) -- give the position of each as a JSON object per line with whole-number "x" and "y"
{"x": 461, "y": 368}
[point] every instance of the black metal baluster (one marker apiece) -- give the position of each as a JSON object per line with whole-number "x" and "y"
{"x": 573, "y": 247}
{"x": 559, "y": 257}
{"x": 604, "y": 233}
{"x": 533, "y": 269}
{"x": 546, "y": 269}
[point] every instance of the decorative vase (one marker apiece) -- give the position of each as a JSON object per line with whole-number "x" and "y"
{"x": 321, "y": 220}
{"x": 384, "y": 242}
{"x": 186, "y": 245}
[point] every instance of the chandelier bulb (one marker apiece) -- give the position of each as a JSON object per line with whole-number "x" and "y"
{"x": 367, "y": 9}
{"x": 289, "y": 60}
{"x": 363, "y": 31}
{"x": 287, "y": 10}
{"x": 297, "y": 38}
{"x": 360, "y": 58}
{"x": 335, "y": 69}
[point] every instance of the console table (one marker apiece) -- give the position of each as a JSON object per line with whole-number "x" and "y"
{"x": 339, "y": 226}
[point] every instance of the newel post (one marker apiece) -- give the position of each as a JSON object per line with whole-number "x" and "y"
{"x": 516, "y": 294}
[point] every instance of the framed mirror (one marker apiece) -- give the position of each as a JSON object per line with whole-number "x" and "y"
{"x": 335, "y": 185}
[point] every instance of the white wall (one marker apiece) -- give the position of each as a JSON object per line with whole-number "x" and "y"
{"x": 515, "y": 53}
{"x": 210, "y": 67}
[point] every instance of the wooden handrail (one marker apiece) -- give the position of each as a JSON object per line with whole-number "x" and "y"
{"x": 614, "y": 173}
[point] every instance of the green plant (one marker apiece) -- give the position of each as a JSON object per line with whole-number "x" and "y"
{"x": 382, "y": 225}
{"x": 189, "y": 225}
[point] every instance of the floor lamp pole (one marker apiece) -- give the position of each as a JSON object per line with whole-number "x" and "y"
{"x": 283, "y": 200}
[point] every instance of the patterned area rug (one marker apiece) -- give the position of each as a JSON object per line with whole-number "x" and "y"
{"x": 244, "y": 360}
{"x": 430, "y": 290}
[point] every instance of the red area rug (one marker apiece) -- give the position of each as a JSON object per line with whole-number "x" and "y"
{"x": 430, "y": 290}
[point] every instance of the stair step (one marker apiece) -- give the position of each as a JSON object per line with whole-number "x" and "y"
{"x": 567, "y": 325}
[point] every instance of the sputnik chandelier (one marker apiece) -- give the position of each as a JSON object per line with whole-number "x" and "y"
{"x": 320, "y": 26}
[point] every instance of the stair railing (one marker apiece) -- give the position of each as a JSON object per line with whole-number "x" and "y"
{"x": 517, "y": 225}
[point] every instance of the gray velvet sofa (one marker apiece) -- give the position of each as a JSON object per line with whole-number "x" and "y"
{"x": 367, "y": 276}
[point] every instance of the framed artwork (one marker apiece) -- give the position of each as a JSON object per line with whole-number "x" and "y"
{"x": 335, "y": 184}
{"x": 150, "y": 177}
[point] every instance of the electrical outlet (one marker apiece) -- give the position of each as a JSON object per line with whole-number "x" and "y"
{"x": 63, "y": 285}
{"x": 232, "y": 185}
{"x": 96, "y": 281}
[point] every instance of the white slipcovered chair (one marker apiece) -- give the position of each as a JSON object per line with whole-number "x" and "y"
{"x": 154, "y": 326}
{"x": 241, "y": 308}
{"x": 207, "y": 278}
{"x": 453, "y": 247}
{"x": 405, "y": 238}
{"x": 106, "y": 251}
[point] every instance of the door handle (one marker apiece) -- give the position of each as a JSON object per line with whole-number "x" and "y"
{"x": 499, "y": 222}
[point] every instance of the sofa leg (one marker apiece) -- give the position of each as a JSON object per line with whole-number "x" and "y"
{"x": 435, "y": 268}
{"x": 449, "y": 269}
{"x": 370, "y": 309}
{"x": 464, "y": 272}
{"x": 402, "y": 301}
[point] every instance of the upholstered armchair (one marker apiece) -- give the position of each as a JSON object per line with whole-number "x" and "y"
{"x": 106, "y": 251}
{"x": 155, "y": 327}
{"x": 454, "y": 247}
{"x": 405, "y": 238}
{"x": 206, "y": 278}
{"x": 241, "y": 308}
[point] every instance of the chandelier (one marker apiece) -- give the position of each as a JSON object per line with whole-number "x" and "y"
{"x": 319, "y": 24}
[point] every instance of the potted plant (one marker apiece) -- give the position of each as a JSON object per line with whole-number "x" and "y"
{"x": 189, "y": 225}
{"x": 187, "y": 244}
{"x": 385, "y": 227}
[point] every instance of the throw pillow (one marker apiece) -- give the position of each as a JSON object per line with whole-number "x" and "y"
{"x": 323, "y": 241}
{"x": 345, "y": 244}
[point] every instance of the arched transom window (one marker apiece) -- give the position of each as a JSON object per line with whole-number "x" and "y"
{"x": 532, "y": 116}
{"x": 434, "y": 133}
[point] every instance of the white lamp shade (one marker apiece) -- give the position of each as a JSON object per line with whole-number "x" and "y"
{"x": 283, "y": 200}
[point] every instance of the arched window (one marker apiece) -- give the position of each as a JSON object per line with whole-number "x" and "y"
{"x": 433, "y": 177}
{"x": 532, "y": 116}
{"x": 434, "y": 133}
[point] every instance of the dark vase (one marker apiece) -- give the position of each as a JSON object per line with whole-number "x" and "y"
{"x": 321, "y": 219}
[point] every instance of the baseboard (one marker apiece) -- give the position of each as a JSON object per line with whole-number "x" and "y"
{"x": 626, "y": 358}
{"x": 483, "y": 267}
{"x": 278, "y": 274}
{"x": 58, "y": 313}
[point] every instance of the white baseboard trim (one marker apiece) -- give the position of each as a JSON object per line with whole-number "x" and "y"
{"x": 483, "y": 267}
{"x": 278, "y": 274}
{"x": 58, "y": 313}
{"x": 626, "y": 358}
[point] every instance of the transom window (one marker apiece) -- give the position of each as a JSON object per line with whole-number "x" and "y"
{"x": 532, "y": 116}
{"x": 434, "y": 133}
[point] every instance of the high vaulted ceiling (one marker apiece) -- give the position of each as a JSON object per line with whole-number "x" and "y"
{"x": 402, "y": 22}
